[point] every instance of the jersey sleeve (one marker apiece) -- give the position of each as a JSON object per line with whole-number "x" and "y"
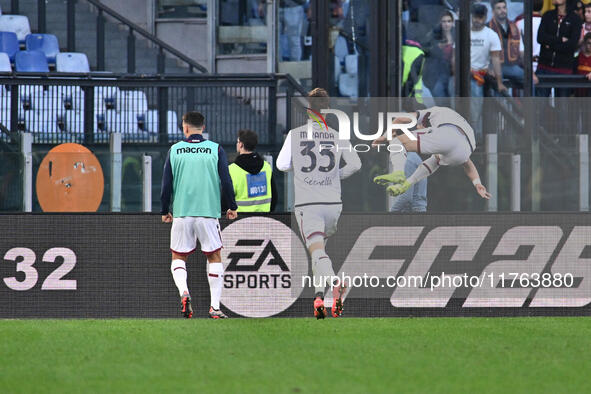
{"x": 166, "y": 190}
{"x": 228, "y": 199}
{"x": 352, "y": 163}
{"x": 284, "y": 157}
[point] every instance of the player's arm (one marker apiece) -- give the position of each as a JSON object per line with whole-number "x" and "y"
{"x": 352, "y": 163}
{"x": 166, "y": 191}
{"x": 284, "y": 158}
{"x": 227, "y": 185}
{"x": 472, "y": 174}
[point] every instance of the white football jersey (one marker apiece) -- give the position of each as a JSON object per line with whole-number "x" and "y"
{"x": 315, "y": 163}
{"x": 438, "y": 116}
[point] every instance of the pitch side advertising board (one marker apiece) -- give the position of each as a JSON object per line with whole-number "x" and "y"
{"x": 109, "y": 266}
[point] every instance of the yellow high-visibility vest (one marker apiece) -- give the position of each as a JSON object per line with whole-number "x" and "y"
{"x": 252, "y": 191}
{"x": 410, "y": 54}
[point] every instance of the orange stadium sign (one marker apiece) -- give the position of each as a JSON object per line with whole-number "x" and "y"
{"x": 70, "y": 179}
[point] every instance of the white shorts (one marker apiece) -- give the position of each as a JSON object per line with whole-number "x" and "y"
{"x": 446, "y": 141}
{"x": 187, "y": 230}
{"x": 318, "y": 220}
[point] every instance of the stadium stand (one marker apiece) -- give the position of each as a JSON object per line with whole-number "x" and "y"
{"x": 38, "y": 122}
{"x": 46, "y": 43}
{"x": 18, "y": 24}
{"x": 131, "y": 101}
{"x": 429, "y": 14}
{"x": 150, "y": 122}
{"x": 5, "y": 65}
{"x": 31, "y": 61}
{"x": 72, "y": 62}
{"x": 71, "y": 122}
{"x": 9, "y": 44}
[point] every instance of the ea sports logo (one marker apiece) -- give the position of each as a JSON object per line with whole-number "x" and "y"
{"x": 264, "y": 261}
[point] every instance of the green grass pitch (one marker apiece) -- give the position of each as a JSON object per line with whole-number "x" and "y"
{"x": 296, "y": 355}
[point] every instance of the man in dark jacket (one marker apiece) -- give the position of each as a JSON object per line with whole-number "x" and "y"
{"x": 254, "y": 185}
{"x": 558, "y": 35}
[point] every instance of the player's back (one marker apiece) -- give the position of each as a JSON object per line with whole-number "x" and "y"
{"x": 196, "y": 182}
{"x": 443, "y": 115}
{"x": 316, "y": 164}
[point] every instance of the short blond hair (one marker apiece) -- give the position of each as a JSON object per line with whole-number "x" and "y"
{"x": 320, "y": 98}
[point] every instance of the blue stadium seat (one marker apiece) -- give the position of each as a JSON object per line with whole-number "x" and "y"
{"x": 348, "y": 85}
{"x": 29, "y": 95}
{"x": 9, "y": 44}
{"x": 18, "y": 24}
{"x": 72, "y": 97}
{"x": 46, "y": 43}
{"x": 149, "y": 123}
{"x": 35, "y": 122}
{"x": 73, "y": 121}
{"x": 104, "y": 97}
{"x": 72, "y": 62}
{"x": 4, "y": 106}
{"x": 31, "y": 61}
{"x": 133, "y": 101}
{"x": 5, "y": 63}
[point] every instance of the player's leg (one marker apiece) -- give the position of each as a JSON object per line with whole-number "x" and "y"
{"x": 331, "y": 218}
{"x": 322, "y": 271}
{"x": 182, "y": 244}
{"x": 312, "y": 228}
{"x": 436, "y": 142}
{"x": 215, "y": 277}
{"x": 410, "y": 145}
{"x": 208, "y": 232}
{"x": 397, "y": 161}
{"x": 426, "y": 168}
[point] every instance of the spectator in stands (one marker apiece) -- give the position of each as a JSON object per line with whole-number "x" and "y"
{"x": 584, "y": 64}
{"x": 485, "y": 49}
{"x": 558, "y": 35}
{"x": 257, "y": 12}
{"x": 439, "y": 65}
{"x": 485, "y": 3}
{"x": 405, "y": 17}
{"x": 337, "y": 11}
{"x": 537, "y": 18}
{"x": 414, "y": 6}
{"x": 413, "y": 60}
{"x": 511, "y": 45}
{"x": 252, "y": 176}
{"x": 579, "y": 9}
{"x": 291, "y": 23}
{"x": 586, "y": 24}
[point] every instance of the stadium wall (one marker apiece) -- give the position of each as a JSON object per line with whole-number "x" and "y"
{"x": 118, "y": 265}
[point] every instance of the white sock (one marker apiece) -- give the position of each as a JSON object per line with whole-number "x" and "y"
{"x": 321, "y": 269}
{"x": 179, "y": 275}
{"x": 215, "y": 277}
{"x": 425, "y": 169}
{"x": 397, "y": 159}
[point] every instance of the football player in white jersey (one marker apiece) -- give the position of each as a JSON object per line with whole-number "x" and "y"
{"x": 445, "y": 135}
{"x": 317, "y": 171}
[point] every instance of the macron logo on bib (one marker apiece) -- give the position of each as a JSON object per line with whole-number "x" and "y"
{"x": 193, "y": 149}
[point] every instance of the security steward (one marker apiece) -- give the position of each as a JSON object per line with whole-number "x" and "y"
{"x": 254, "y": 188}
